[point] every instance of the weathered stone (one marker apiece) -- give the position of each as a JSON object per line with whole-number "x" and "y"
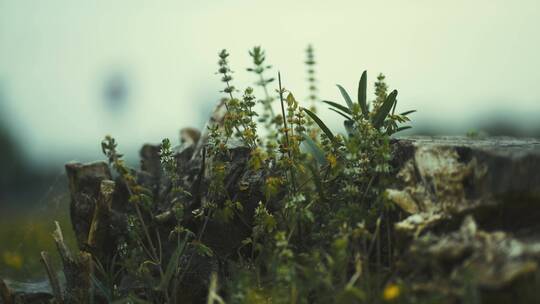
{"x": 441, "y": 179}
{"x": 150, "y": 161}
{"x": 24, "y": 292}
{"x": 492, "y": 261}
{"x": 84, "y": 185}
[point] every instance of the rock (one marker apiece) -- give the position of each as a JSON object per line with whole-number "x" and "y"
{"x": 90, "y": 186}
{"x": 441, "y": 179}
{"x": 492, "y": 261}
{"x": 150, "y": 161}
{"x": 84, "y": 186}
{"x": 24, "y": 292}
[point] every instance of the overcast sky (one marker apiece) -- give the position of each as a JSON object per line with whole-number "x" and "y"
{"x": 454, "y": 61}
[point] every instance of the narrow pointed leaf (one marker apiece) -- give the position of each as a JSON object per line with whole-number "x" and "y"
{"x": 383, "y": 111}
{"x": 315, "y": 150}
{"x": 106, "y": 292}
{"x": 172, "y": 266}
{"x": 341, "y": 113}
{"x": 362, "y": 94}
{"x": 402, "y": 128}
{"x": 407, "y": 112}
{"x": 321, "y": 124}
{"x": 338, "y": 106}
{"x": 346, "y": 97}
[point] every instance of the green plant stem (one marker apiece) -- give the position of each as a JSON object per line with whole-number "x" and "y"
{"x": 286, "y": 131}
{"x": 154, "y": 256}
{"x": 243, "y": 125}
{"x": 267, "y": 96}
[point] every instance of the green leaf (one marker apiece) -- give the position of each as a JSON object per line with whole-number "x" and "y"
{"x": 346, "y": 97}
{"x": 321, "y": 124}
{"x": 172, "y": 266}
{"x": 362, "y": 94}
{"x": 341, "y": 113}
{"x": 106, "y": 292}
{"x": 402, "y": 128}
{"x": 383, "y": 111}
{"x": 202, "y": 249}
{"x": 337, "y": 105}
{"x": 314, "y": 148}
{"x": 407, "y": 112}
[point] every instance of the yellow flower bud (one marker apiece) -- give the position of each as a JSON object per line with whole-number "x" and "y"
{"x": 391, "y": 292}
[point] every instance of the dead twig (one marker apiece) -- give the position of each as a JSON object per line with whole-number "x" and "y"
{"x": 5, "y": 293}
{"x": 77, "y": 270}
{"x": 53, "y": 277}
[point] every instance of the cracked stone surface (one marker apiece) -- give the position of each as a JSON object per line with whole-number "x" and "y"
{"x": 441, "y": 179}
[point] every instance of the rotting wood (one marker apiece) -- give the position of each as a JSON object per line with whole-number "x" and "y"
{"x": 5, "y": 293}
{"x": 77, "y": 270}
{"x": 101, "y": 213}
{"x": 53, "y": 277}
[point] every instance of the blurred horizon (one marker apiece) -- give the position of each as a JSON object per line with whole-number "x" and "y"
{"x": 72, "y": 72}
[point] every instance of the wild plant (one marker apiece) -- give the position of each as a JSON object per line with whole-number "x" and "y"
{"x": 142, "y": 251}
{"x": 259, "y": 68}
{"x": 311, "y": 77}
{"x": 268, "y": 117}
{"x": 315, "y": 236}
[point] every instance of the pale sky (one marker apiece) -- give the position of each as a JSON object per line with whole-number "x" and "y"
{"x": 453, "y": 61}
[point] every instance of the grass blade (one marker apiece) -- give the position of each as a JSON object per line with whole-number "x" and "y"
{"x": 407, "y": 112}
{"x": 172, "y": 266}
{"x": 383, "y": 111}
{"x": 321, "y": 124}
{"x": 314, "y": 148}
{"x": 362, "y": 94}
{"x": 402, "y": 128}
{"x": 341, "y": 113}
{"x": 101, "y": 288}
{"x": 346, "y": 96}
{"x": 338, "y": 106}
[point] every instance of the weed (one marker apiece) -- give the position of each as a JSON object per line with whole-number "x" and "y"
{"x": 315, "y": 232}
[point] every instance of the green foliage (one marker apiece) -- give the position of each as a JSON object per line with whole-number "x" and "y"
{"x": 306, "y": 246}
{"x": 259, "y": 67}
{"x": 315, "y": 236}
{"x": 362, "y": 94}
{"x": 346, "y": 96}
{"x": 381, "y": 117}
{"x": 311, "y": 76}
{"x": 321, "y": 124}
{"x": 142, "y": 251}
{"x": 381, "y": 89}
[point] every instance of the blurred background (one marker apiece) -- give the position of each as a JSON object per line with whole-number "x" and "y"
{"x": 74, "y": 71}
